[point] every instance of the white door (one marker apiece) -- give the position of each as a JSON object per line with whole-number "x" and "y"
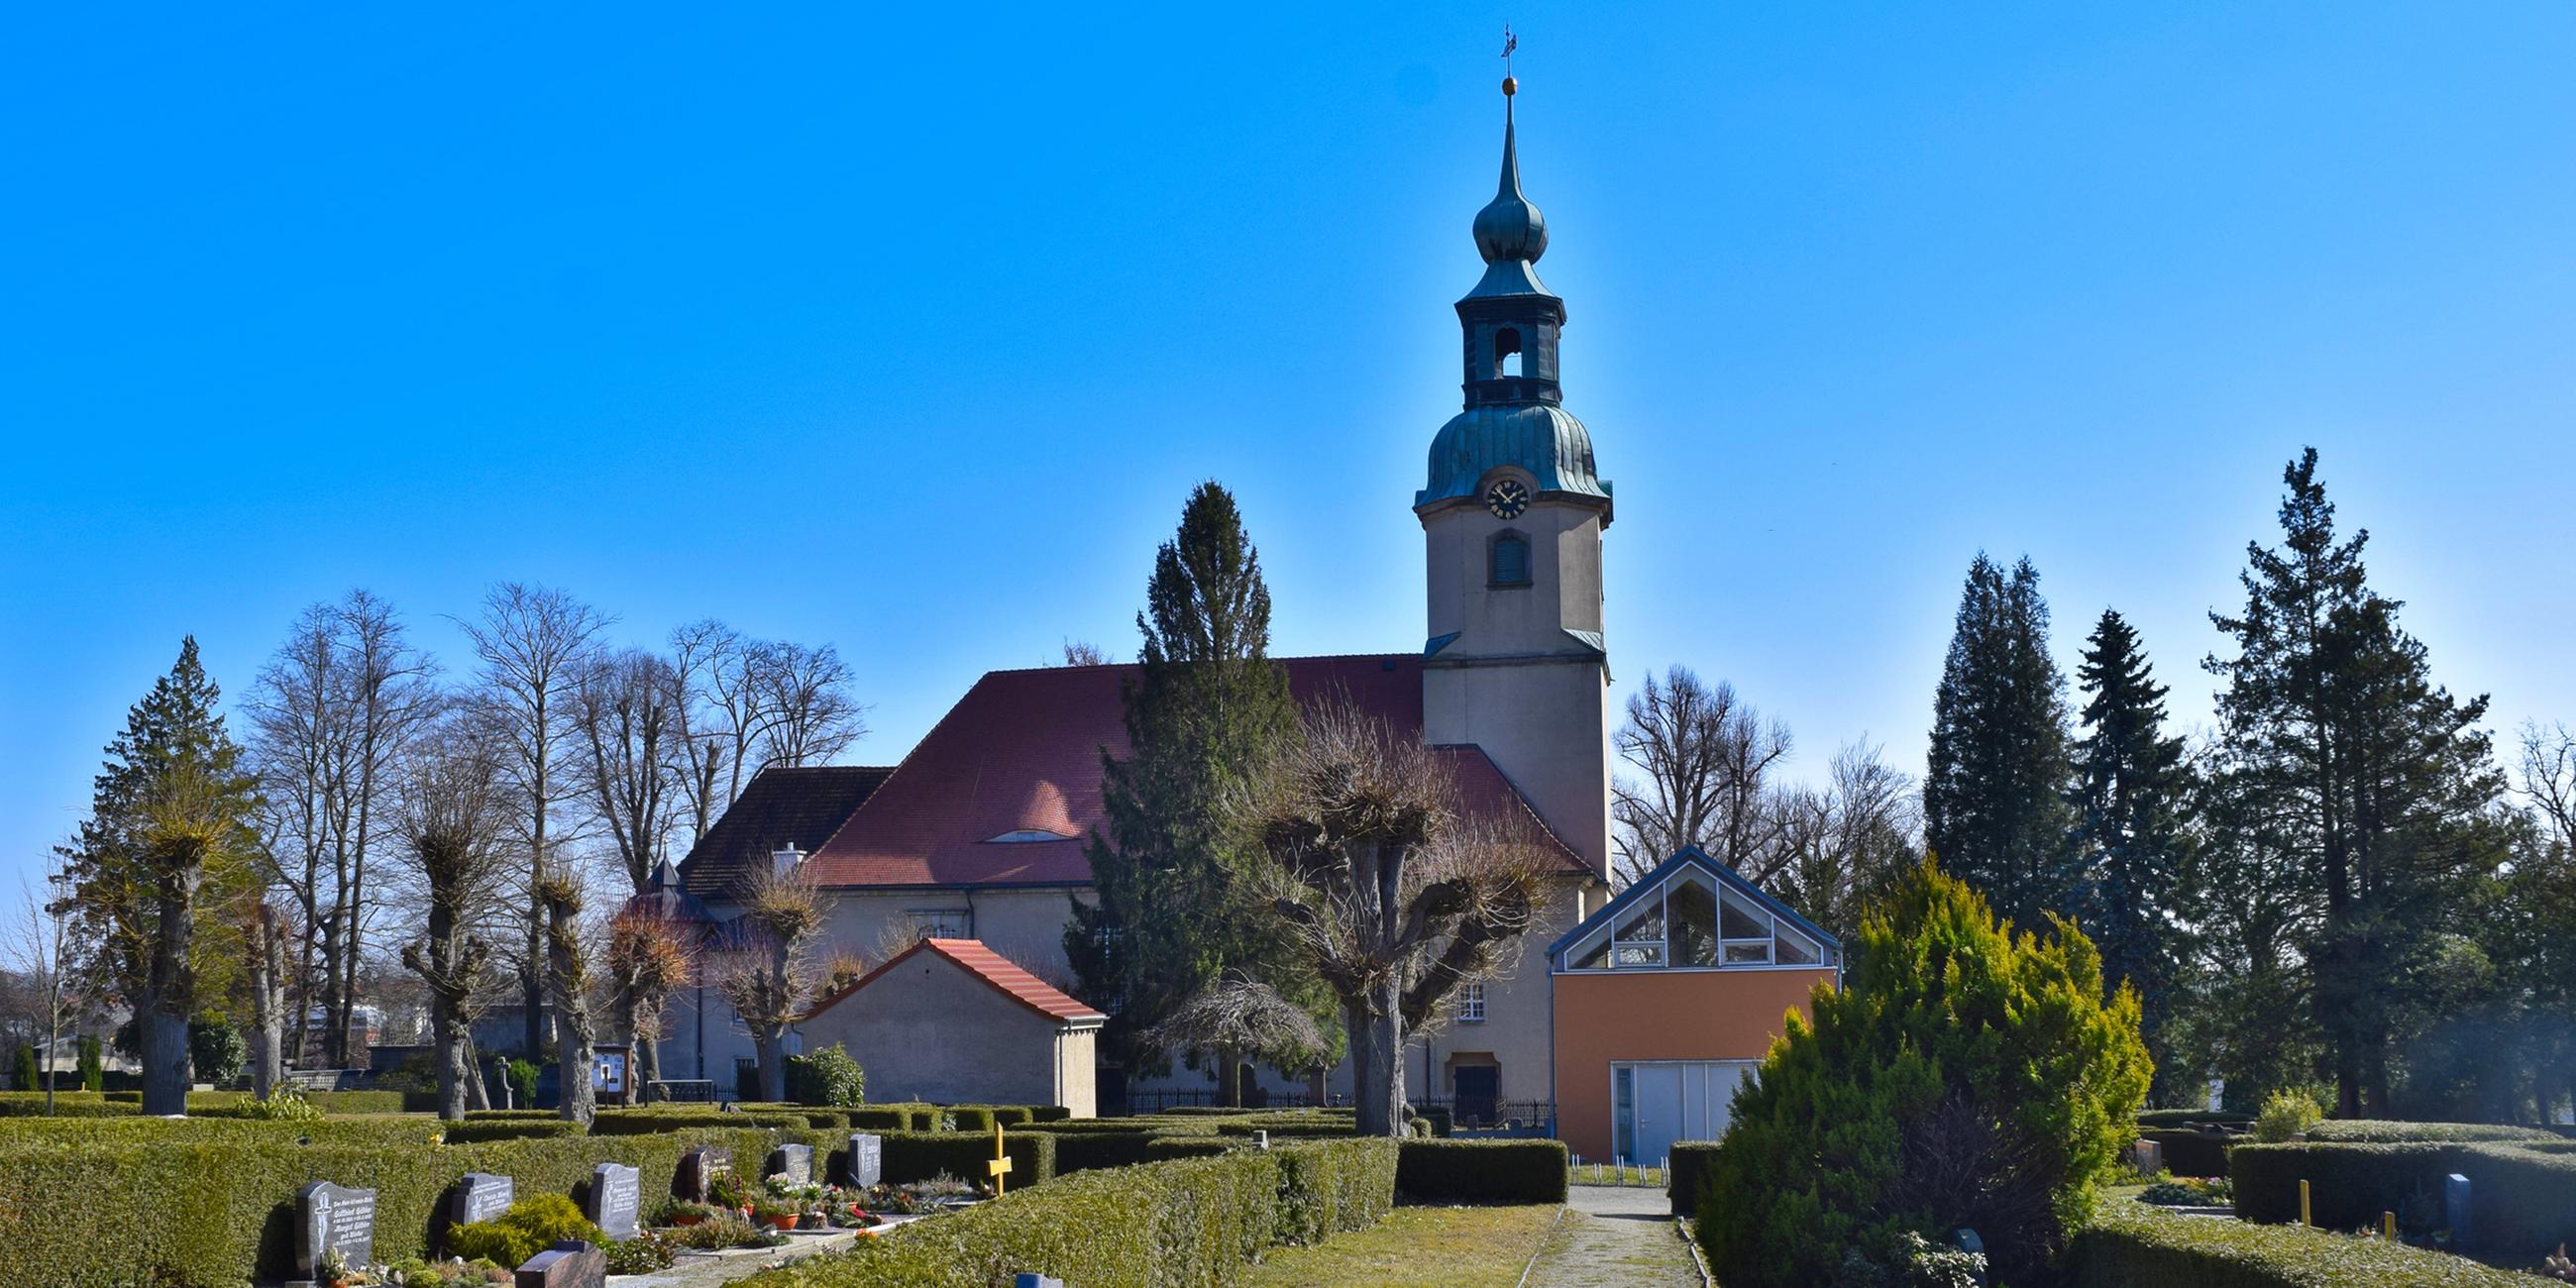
{"x": 1656, "y": 1103}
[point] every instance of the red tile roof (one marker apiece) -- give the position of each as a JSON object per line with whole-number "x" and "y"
{"x": 1020, "y": 753}
{"x": 992, "y": 968}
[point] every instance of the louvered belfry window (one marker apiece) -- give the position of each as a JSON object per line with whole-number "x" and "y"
{"x": 1508, "y": 560}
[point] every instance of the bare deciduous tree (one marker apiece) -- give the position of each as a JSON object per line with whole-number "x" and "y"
{"x": 535, "y": 643}
{"x": 1842, "y": 844}
{"x": 807, "y": 714}
{"x": 1239, "y": 1019}
{"x": 769, "y": 980}
{"x": 38, "y": 951}
{"x": 2549, "y": 780}
{"x": 453, "y": 822}
{"x": 1394, "y": 900}
{"x": 627, "y": 708}
{"x": 648, "y": 960}
{"x": 268, "y": 935}
{"x": 747, "y": 704}
{"x": 1084, "y": 653}
{"x": 1707, "y": 758}
{"x": 568, "y": 979}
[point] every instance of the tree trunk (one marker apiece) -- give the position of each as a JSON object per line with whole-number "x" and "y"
{"x": 267, "y": 1003}
{"x": 648, "y": 1065}
{"x": 477, "y": 1095}
{"x": 1228, "y": 1091}
{"x": 772, "y": 1050}
{"x": 164, "y": 1041}
{"x": 532, "y": 988}
{"x": 455, "y": 1060}
{"x": 1377, "y": 1064}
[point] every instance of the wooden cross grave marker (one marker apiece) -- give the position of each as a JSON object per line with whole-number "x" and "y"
{"x": 1001, "y": 1164}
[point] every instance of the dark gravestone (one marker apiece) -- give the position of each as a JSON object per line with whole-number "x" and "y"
{"x": 867, "y": 1159}
{"x": 333, "y": 1218}
{"x": 614, "y": 1199}
{"x": 565, "y": 1265}
{"x": 2455, "y": 1209}
{"x": 481, "y": 1196}
{"x": 795, "y": 1162}
{"x": 698, "y": 1171}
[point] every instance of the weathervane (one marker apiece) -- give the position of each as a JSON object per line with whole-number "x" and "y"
{"x": 1510, "y": 43}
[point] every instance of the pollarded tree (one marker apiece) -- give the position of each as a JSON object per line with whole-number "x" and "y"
{"x": 648, "y": 959}
{"x": 452, "y": 823}
{"x": 1389, "y": 896}
{"x": 568, "y": 982}
{"x": 2131, "y": 840}
{"x": 168, "y": 841}
{"x": 1965, "y": 1077}
{"x": 770, "y": 979}
{"x": 1994, "y": 799}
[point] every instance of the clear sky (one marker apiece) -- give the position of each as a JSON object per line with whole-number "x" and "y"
{"x": 910, "y": 329}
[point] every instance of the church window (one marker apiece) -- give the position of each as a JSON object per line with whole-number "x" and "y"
{"x": 1507, "y": 352}
{"x": 1471, "y": 1004}
{"x": 1508, "y": 560}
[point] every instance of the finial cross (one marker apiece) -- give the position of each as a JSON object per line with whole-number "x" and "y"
{"x": 1510, "y": 43}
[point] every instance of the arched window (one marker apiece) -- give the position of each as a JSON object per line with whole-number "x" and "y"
{"x": 1507, "y": 560}
{"x": 1507, "y": 352}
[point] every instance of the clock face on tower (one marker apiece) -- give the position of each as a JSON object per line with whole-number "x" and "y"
{"x": 1507, "y": 498}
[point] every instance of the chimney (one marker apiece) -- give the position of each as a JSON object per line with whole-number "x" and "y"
{"x": 786, "y": 859}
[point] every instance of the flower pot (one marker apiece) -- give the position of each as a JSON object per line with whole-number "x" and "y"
{"x": 688, "y": 1218}
{"x": 783, "y": 1223}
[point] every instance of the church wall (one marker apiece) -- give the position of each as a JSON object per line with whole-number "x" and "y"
{"x": 1515, "y": 1033}
{"x": 1495, "y": 621}
{"x": 1546, "y": 726}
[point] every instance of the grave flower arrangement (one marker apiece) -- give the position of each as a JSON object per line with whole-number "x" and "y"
{"x": 451, "y": 1273}
{"x": 682, "y": 1212}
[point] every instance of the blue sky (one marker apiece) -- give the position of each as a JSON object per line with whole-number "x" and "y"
{"x": 909, "y": 331}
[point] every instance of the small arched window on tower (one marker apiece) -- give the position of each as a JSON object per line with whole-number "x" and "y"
{"x": 1507, "y": 559}
{"x": 1507, "y": 352}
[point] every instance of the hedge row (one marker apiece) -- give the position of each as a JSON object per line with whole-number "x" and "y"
{"x": 923, "y": 1155}
{"x": 2374, "y": 1131}
{"x": 1431, "y": 1170}
{"x": 1189, "y": 1221}
{"x": 2192, "y": 1117}
{"x": 2191, "y": 1153}
{"x": 1686, "y": 1169}
{"x": 217, "y": 1208}
{"x": 2520, "y": 1199}
{"x": 2135, "y": 1245}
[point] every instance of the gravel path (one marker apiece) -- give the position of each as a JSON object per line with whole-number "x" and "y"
{"x": 1615, "y": 1237}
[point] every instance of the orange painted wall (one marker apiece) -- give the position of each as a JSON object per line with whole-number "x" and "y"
{"x": 1653, "y": 1015}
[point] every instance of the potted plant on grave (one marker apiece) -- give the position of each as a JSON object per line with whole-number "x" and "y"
{"x": 767, "y": 1211}
{"x": 682, "y": 1212}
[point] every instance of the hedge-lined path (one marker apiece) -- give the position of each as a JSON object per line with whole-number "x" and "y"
{"x": 1615, "y": 1237}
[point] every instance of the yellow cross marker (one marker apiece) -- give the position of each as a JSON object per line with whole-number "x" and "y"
{"x": 2388, "y": 1225}
{"x": 2304, "y": 1219}
{"x": 1001, "y": 1164}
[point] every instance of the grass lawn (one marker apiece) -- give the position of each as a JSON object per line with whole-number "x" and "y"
{"x": 1418, "y": 1247}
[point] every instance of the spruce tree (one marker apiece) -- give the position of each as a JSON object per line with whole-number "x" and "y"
{"x": 2376, "y": 777}
{"x": 2130, "y": 844}
{"x": 168, "y": 839}
{"x": 1994, "y": 799}
{"x": 1174, "y": 910}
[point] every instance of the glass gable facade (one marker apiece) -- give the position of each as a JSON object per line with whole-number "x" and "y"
{"x": 1692, "y": 920}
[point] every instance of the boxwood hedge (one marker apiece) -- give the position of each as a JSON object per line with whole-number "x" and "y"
{"x": 2374, "y": 1131}
{"x": 1432, "y": 1170}
{"x": 2193, "y": 1153}
{"x": 922, "y": 1155}
{"x": 1188, "y": 1221}
{"x": 2521, "y": 1199}
{"x": 2191, "y": 1118}
{"x": 2133, "y": 1245}
{"x": 1688, "y": 1163}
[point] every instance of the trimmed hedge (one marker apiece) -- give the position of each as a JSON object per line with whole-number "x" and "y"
{"x": 646, "y": 1122}
{"x": 922, "y": 1155}
{"x": 213, "y": 1206}
{"x": 971, "y": 1118}
{"x": 2192, "y": 1153}
{"x": 470, "y": 1131}
{"x": 1188, "y": 1221}
{"x": 67, "y": 1104}
{"x": 2375, "y": 1131}
{"x": 1689, "y": 1160}
{"x": 2192, "y": 1118}
{"x": 1090, "y": 1151}
{"x": 2134, "y": 1245}
{"x": 1430, "y": 1170}
{"x": 1049, "y": 1114}
{"x": 1161, "y": 1148}
{"x": 2524, "y": 1199}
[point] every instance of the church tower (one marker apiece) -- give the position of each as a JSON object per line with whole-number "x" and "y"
{"x": 1511, "y": 519}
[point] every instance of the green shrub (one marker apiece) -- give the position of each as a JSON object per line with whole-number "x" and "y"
{"x": 2525, "y": 1198}
{"x": 531, "y": 1226}
{"x": 359, "y": 1102}
{"x": 1687, "y": 1171}
{"x": 2133, "y": 1245}
{"x": 283, "y": 1104}
{"x": 1163, "y": 1148}
{"x": 920, "y": 1156}
{"x": 646, "y": 1122}
{"x": 522, "y": 1077}
{"x": 473, "y": 1130}
{"x": 826, "y": 1077}
{"x": 93, "y": 1069}
{"x": 881, "y": 1118}
{"x": 1094, "y": 1150}
{"x": 2372, "y": 1131}
{"x": 1430, "y": 1170}
{"x": 1049, "y": 1114}
{"x": 970, "y": 1118}
{"x": 22, "y": 1070}
{"x": 2286, "y": 1113}
{"x": 67, "y": 1104}
{"x": 1187, "y": 1221}
{"x": 1967, "y": 1077}
{"x": 1442, "y": 1120}
{"x": 2191, "y": 1153}
{"x": 216, "y": 1048}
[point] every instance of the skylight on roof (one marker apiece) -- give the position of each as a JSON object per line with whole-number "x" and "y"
{"x": 1028, "y": 834}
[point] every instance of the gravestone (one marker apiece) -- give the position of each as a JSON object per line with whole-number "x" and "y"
{"x": 333, "y": 1218}
{"x": 2149, "y": 1156}
{"x": 614, "y": 1200}
{"x": 795, "y": 1162}
{"x": 698, "y": 1170}
{"x": 480, "y": 1196}
{"x": 572, "y": 1264}
{"x": 2455, "y": 1208}
{"x": 867, "y": 1159}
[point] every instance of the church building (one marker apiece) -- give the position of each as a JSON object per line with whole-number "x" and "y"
{"x": 977, "y": 835}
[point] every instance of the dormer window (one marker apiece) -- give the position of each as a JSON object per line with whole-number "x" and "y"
{"x": 1026, "y": 835}
{"x": 1507, "y": 559}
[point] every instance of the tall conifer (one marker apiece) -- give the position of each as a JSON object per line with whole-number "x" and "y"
{"x": 1994, "y": 799}
{"x": 2377, "y": 777}
{"x": 2129, "y": 834}
{"x": 1173, "y": 912}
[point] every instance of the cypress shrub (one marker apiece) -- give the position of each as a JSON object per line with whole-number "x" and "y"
{"x": 2135, "y": 1245}
{"x": 1430, "y": 1170}
{"x": 22, "y": 1069}
{"x": 1988, "y": 1061}
{"x": 93, "y": 1070}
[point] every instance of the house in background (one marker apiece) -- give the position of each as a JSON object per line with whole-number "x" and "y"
{"x": 1667, "y": 998}
{"x": 952, "y": 1020}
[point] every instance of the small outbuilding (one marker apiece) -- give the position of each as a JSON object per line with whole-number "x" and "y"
{"x": 950, "y": 1020}
{"x": 1667, "y": 998}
